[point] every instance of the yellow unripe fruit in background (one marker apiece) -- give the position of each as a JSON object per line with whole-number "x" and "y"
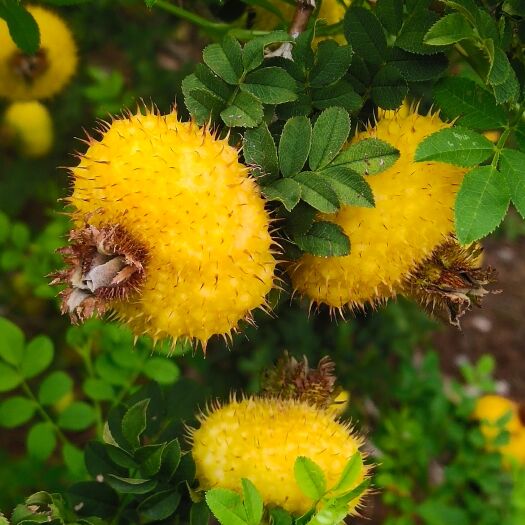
{"x": 332, "y": 12}
{"x": 30, "y": 126}
{"x": 488, "y": 411}
{"x": 183, "y": 196}
{"x": 412, "y": 216}
{"x": 27, "y": 77}
{"x": 260, "y": 439}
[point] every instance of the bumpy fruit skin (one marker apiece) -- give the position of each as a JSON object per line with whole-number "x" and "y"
{"x": 60, "y": 57}
{"x": 31, "y": 126}
{"x": 183, "y": 195}
{"x": 413, "y": 214}
{"x": 260, "y": 439}
{"x": 332, "y": 12}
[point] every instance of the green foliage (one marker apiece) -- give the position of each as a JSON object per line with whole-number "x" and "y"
{"x": 22, "y": 26}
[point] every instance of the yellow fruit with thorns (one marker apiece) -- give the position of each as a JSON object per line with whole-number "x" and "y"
{"x": 260, "y": 439}
{"x": 413, "y": 215}
{"x": 26, "y": 77}
{"x": 331, "y": 12}
{"x": 172, "y": 233}
{"x": 29, "y": 126}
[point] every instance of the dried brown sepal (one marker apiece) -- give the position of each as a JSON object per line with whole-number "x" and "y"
{"x": 450, "y": 281}
{"x": 521, "y": 412}
{"x": 293, "y": 379}
{"x": 102, "y": 265}
{"x": 29, "y": 67}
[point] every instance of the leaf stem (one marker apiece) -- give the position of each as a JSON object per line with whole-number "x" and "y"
{"x": 43, "y": 413}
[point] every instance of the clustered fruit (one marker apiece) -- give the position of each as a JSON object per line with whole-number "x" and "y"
{"x": 26, "y": 78}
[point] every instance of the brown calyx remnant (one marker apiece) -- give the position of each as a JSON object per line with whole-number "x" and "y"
{"x": 103, "y": 264}
{"x": 293, "y": 379}
{"x": 449, "y": 281}
{"x": 29, "y": 67}
{"x": 521, "y": 412}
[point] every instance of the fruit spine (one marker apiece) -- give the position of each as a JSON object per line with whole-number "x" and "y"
{"x": 171, "y": 232}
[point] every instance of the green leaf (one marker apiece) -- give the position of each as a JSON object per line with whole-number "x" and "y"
{"x": 11, "y": 342}
{"x": 317, "y": 192}
{"x": 309, "y": 476}
{"x": 340, "y": 94}
{"x": 435, "y": 512}
{"x": 95, "y": 499}
{"x": 389, "y": 88}
{"x": 508, "y": 91}
{"x": 294, "y": 145}
{"x": 99, "y": 462}
{"x": 77, "y": 416}
{"x": 37, "y": 357}
{"x": 332, "y": 515}
{"x": 475, "y": 107}
{"x": 199, "y": 513}
{"x": 98, "y": 389}
{"x": 390, "y": 13}
{"x": 417, "y": 68}
{"x": 448, "y": 30}
{"x": 22, "y": 26}
{"x": 260, "y": 151}
{"x": 245, "y": 111}
{"x": 162, "y": 370}
{"x": 54, "y": 387}
{"x": 353, "y": 469}
{"x": 367, "y": 157}
{"x": 209, "y": 81}
{"x": 159, "y": 506}
{"x": 253, "y": 52}
{"x": 350, "y": 187}
{"x": 74, "y": 460}
{"x": 134, "y": 422}
{"x": 226, "y": 506}
{"x": 364, "y": 32}
{"x": 481, "y": 203}
{"x": 512, "y": 165}
{"x": 150, "y": 3}
{"x": 150, "y": 459}
{"x": 171, "y": 458}
{"x": 203, "y": 105}
{"x": 41, "y": 441}
{"x": 131, "y": 485}
{"x": 16, "y": 411}
{"x": 287, "y": 191}
{"x": 330, "y": 132}
{"x": 414, "y": 30}
{"x": 9, "y": 378}
{"x": 225, "y": 60}
{"x": 457, "y": 145}
{"x": 280, "y": 517}
{"x": 271, "y": 85}
{"x": 253, "y": 503}
{"x": 500, "y": 68}
{"x": 332, "y": 62}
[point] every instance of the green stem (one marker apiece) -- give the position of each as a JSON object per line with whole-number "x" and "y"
{"x": 85, "y": 353}
{"x": 216, "y": 28}
{"x": 43, "y": 413}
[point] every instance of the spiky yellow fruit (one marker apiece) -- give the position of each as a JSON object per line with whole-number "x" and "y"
{"x": 412, "y": 216}
{"x": 332, "y": 12}
{"x": 30, "y": 126}
{"x": 261, "y": 438}
{"x": 26, "y": 77}
{"x": 176, "y": 224}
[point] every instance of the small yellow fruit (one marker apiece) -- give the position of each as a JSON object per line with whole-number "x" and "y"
{"x": 31, "y": 126}
{"x": 332, "y": 12}
{"x": 27, "y": 77}
{"x": 261, "y": 438}
{"x": 412, "y": 216}
{"x": 490, "y": 408}
{"x": 514, "y": 450}
{"x": 175, "y": 216}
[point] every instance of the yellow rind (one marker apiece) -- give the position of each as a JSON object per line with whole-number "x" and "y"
{"x": 413, "y": 214}
{"x": 260, "y": 439}
{"x": 57, "y": 41}
{"x": 31, "y": 126}
{"x": 183, "y": 195}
